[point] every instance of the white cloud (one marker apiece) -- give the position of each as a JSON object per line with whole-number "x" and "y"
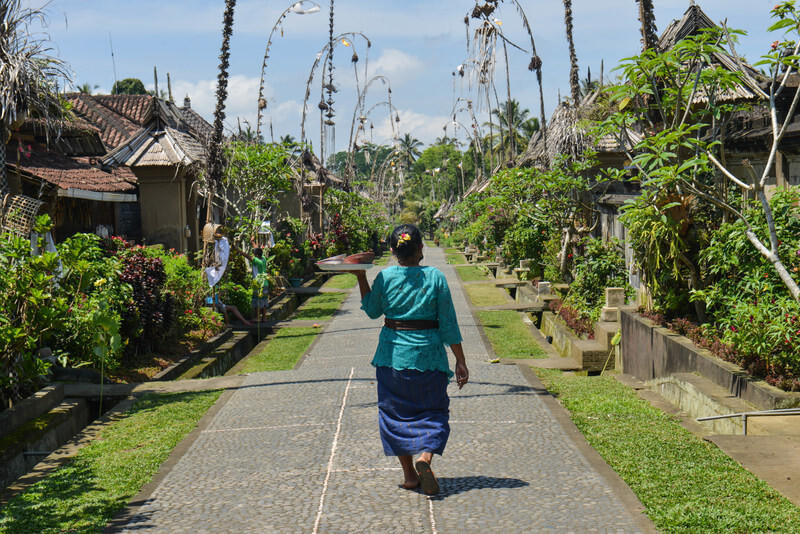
{"x": 424, "y": 127}
{"x": 397, "y": 65}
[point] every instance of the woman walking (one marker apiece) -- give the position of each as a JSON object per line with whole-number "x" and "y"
{"x": 411, "y": 363}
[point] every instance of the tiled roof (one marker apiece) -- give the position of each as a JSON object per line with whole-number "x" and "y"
{"x": 73, "y": 137}
{"x": 135, "y": 108}
{"x": 77, "y": 173}
{"x": 114, "y": 127}
{"x": 197, "y": 122}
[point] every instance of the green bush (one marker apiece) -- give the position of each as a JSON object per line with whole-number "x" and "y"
{"x": 525, "y": 240}
{"x": 31, "y": 313}
{"x": 236, "y": 295}
{"x": 91, "y": 279}
{"x": 745, "y": 297}
{"x": 602, "y": 265}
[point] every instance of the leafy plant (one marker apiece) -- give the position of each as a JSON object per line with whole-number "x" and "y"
{"x": 151, "y": 314}
{"x": 31, "y": 312}
{"x": 600, "y": 266}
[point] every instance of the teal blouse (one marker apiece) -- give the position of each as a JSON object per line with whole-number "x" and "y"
{"x": 418, "y": 293}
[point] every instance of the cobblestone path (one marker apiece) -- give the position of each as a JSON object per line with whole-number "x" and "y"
{"x": 299, "y": 452}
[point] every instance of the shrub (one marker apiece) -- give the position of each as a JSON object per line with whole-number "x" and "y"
{"x": 779, "y": 374}
{"x": 31, "y": 311}
{"x": 90, "y": 280}
{"x": 575, "y": 321}
{"x": 236, "y": 295}
{"x": 525, "y": 240}
{"x": 602, "y": 265}
{"x": 151, "y": 314}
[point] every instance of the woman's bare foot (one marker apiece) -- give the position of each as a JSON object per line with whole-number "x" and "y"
{"x": 410, "y": 485}
{"x": 411, "y": 479}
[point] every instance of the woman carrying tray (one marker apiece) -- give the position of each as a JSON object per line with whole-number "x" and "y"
{"x": 411, "y": 363}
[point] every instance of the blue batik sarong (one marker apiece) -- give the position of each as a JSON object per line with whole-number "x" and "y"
{"x": 413, "y": 411}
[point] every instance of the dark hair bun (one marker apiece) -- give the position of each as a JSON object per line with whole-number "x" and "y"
{"x": 405, "y": 241}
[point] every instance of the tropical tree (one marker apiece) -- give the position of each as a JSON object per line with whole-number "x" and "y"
{"x": 680, "y": 159}
{"x": 510, "y": 137}
{"x": 29, "y": 74}
{"x": 445, "y": 141}
{"x": 129, "y": 86}
{"x": 529, "y": 127}
{"x": 409, "y": 149}
{"x": 87, "y": 88}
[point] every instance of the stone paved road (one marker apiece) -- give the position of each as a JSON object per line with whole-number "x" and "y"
{"x": 299, "y": 452}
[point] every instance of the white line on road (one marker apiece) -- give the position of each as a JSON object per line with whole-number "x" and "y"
{"x": 263, "y": 427}
{"x": 433, "y": 520}
{"x": 333, "y": 453}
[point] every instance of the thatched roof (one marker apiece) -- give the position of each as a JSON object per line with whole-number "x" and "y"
{"x": 315, "y": 171}
{"x": 567, "y": 135}
{"x": 694, "y": 20}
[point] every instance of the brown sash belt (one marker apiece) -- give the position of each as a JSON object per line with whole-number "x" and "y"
{"x": 411, "y": 325}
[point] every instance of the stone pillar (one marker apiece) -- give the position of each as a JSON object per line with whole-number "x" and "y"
{"x": 544, "y": 288}
{"x": 615, "y": 298}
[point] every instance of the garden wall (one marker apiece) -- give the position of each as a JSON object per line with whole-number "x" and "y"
{"x": 650, "y": 352}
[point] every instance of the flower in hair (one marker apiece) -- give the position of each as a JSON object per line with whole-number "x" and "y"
{"x": 404, "y": 238}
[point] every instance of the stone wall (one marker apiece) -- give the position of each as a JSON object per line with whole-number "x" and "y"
{"x": 649, "y": 352}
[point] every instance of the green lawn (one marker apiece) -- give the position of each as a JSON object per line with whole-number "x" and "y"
{"x": 473, "y": 273}
{"x": 509, "y": 335}
{"x": 282, "y": 351}
{"x": 84, "y": 494}
{"x": 341, "y": 281}
{"x": 486, "y": 295}
{"x": 686, "y": 484}
{"x": 455, "y": 259}
{"x": 320, "y": 307}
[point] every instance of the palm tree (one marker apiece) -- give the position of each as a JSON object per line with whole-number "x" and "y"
{"x": 573, "y": 58}
{"x": 28, "y": 74}
{"x": 87, "y": 88}
{"x": 588, "y": 85}
{"x": 445, "y": 140}
{"x": 215, "y": 147}
{"x": 511, "y": 136}
{"x": 409, "y": 148}
{"x": 529, "y": 127}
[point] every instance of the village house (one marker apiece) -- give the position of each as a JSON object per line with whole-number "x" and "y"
{"x": 163, "y": 145}
{"x": 58, "y": 171}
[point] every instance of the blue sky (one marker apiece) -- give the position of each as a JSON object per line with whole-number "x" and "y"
{"x": 417, "y": 44}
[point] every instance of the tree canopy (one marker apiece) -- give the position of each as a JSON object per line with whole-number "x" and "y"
{"x": 129, "y": 86}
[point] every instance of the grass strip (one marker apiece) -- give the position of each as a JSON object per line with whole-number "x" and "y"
{"x": 383, "y": 259}
{"x": 509, "y": 336}
{"x": 85, "y": 494}
{"x": 282, "y": 351}
{"x": 320, "y": 307}
{"x": 486, "y": 295}
{"x": 455, "y": 259}
{"x": 452, "y": 250}
{"x": 341, "y": 281}
{"x": 473, "y": 273}
{"x": 686, "y": 484}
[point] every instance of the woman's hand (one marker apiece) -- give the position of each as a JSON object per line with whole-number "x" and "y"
{"x": 462, "y": 374}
